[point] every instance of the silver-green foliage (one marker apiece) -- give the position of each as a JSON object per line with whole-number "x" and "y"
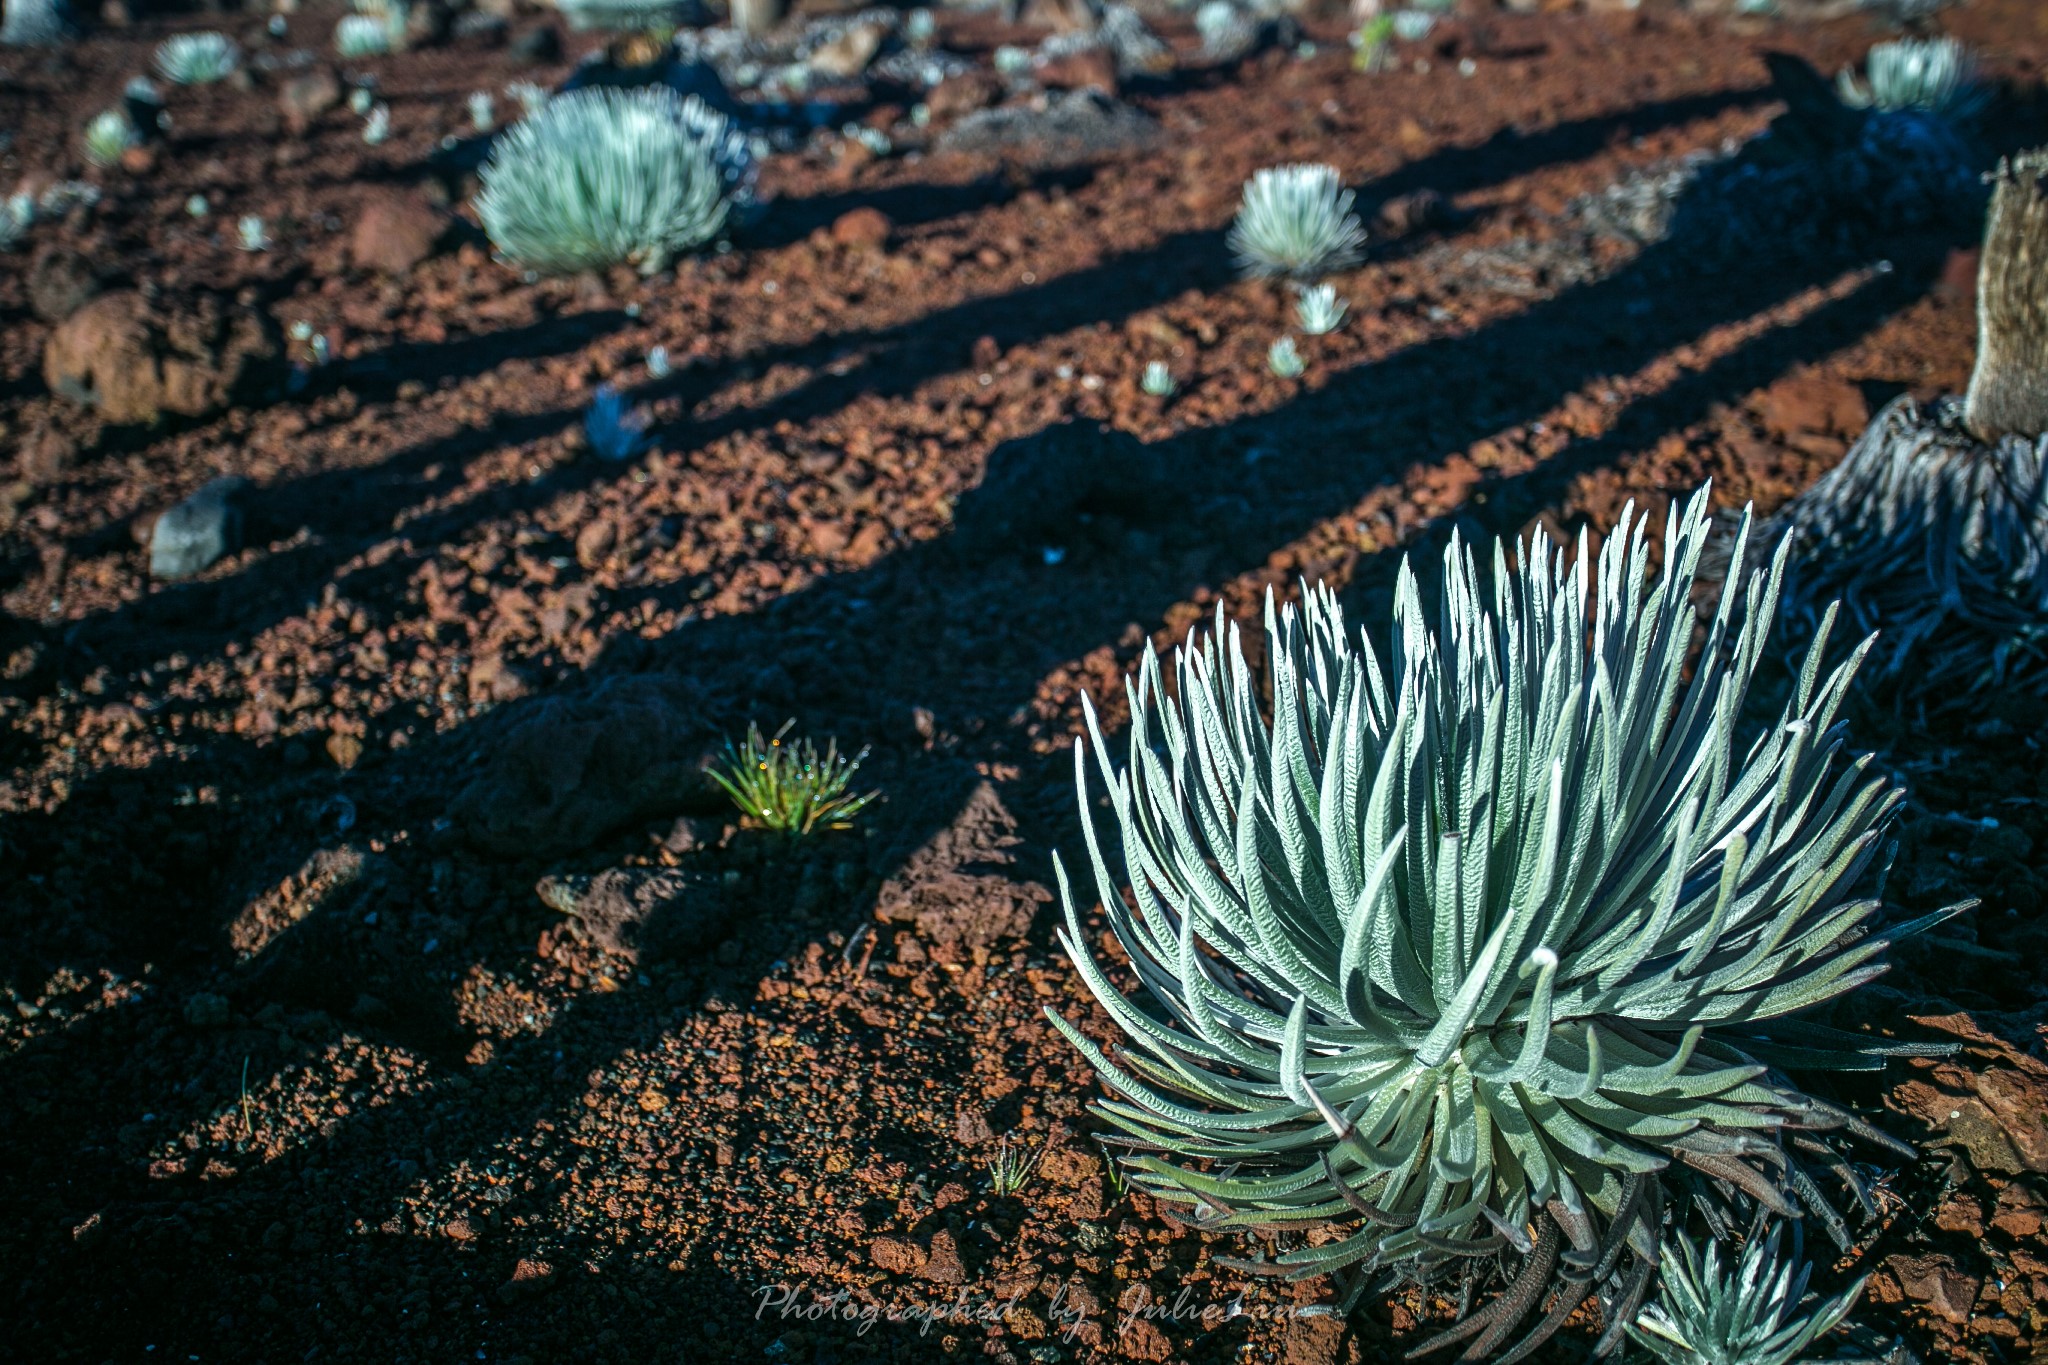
{"x": 1476, "y": 937}
{"x": 1755, "y": 1312}
{"x": 1318, "y": 309}
{"x": 196, "y": 58}
{"x": 1284, "y": 360}
{"x": 1927, "y": 75}
{"x": 600, "y": 177}
{"x": 361, "y": 35}
{"x": 110, "y": 134}
{"x": 1296, "y": 220}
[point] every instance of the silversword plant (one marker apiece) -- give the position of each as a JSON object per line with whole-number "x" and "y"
{"x": 1926, "y": 75}
{"x": 377, "y": 124}
{"x": 196, "y": 58}
{"x": 361, "y": 35}
{"x": 17, "y": 216}
{"x": 792, "y": 788}
{"x": 1284, "y": 360}
{"x": 604, "y": 177}
{"x": 1755, "y": 1312}
{"x": 34, "y": 23}
{"x": 1318, "y": 309}
{"x": 1227, "y": 30}
{"x": 252, "y": 233}
{"x": 1157, "y": 379}
{"x": 1472, "y": 941}
{"x": 483, "y": 111}
{"x": 108, "y": 136}
{"x": 1296, "y": 220}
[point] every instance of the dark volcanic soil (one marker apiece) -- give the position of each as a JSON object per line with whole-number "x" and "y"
{"x": 295, "y": 1064}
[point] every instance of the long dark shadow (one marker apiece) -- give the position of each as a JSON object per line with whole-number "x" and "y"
{"x": 896, "y": 361}
{"x": 965, "y": 626}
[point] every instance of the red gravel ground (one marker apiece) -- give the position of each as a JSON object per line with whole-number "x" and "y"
{"x": 295, "y": 1064}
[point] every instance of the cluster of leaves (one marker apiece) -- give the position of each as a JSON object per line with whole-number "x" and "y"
{"x": 197, "y": 58}
{"x": 792, "y": 788}
{"x": 1756, "y": 1312}
{"x": 602, "y": 177}
{"x": 1296, "y": 221}
{"x": 1924, "y": 75}
{"x": 1481, "y": 943}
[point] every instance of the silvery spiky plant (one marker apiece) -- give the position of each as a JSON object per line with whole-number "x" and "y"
{"x": 483, "y": 111}
{"x": 1475, "y": 941}
{"x": 602, "y": 177}
{"x": 1284, "y": 360}
{"x": 1296, "y": 220}
{"x": 196, "y": 58}
{"x": 1755, "y": 1312}
{"x": 1228, "y": 32}
{"x": 361, "y": 35}
{"x": 34, "y": 23}
{"x": 108, "y": 136}
{"x": 1926, "y": 75}
{"x": 17, "y": 216}
{"x": 377, "y": 125}
{"x": 1157, "y": 379}
{"x": 1318, "y": 309}
{"x": 252, "y": 233}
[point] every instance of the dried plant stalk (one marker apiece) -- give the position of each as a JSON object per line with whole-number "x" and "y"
{"x": 2009, "y": 388}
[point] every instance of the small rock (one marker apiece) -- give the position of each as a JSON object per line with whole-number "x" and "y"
{"x": 394, "y": 233}
{"x": 137, "y": 359}
{"x": 459, "y": 1231}
{"x": 1417, "y": 212}
{"x": 846, "y": 56}
{"x": 529, "y": 1277}
{"x": 1935, "y": 1281}
{"x": 307, "y": 96}
{"x": 577, "y": 766}
{"x": 1087, "y": 68}
{"x": 943, "y": 1264}
{"x": 862, "y": 229}
{"x": 1072, "y": 126}
{"x": 345, "y": 749}
{"x": 970, "y": 1127}
{"x": 191, "y": 537}
{"x": 60, "y": 282}
{"x": 896, "y": 1255}
{"x": 492, "y": 679}
{"x": 963, "y": 94}
{"x": 206, "y": 1010}
{"x": 693, "y": 834}
{"x": 46, "y": 454}
{"x": 596, "y": 541}
{"x": 959, "y": 891}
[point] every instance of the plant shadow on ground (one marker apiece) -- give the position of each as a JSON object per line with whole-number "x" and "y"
{"x": 347, "y": 511}
{"x": 977, "y": 625}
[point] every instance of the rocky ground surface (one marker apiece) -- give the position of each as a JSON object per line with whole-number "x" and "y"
{"x": 384, "y": 981}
